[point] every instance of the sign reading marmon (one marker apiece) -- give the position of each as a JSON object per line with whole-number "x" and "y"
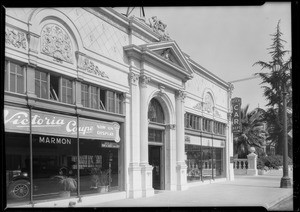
{"x": 236, "y": 115}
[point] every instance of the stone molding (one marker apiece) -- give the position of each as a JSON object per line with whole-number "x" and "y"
{"x": 171, "y": 126}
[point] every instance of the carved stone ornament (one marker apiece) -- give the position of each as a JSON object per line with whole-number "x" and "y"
{"x": 166, "y": 54}
{"x": 159, "y": 27}
{"x": 89, "y": 67}
{"x": 171, "y": 126}
{"x": 230, "y": 89}
{"x": 134, "y": 78}
{"x": 198, "y": 106}
{"x": 161, "y": 90}
{"x": 217, "y": 114}
{"x": 208, "y": 104}
{"x": 180, "y": 95}
{"x": 144, "y": 80}
{"x": 56, "y": 43}
{"x": 15, "y": 38}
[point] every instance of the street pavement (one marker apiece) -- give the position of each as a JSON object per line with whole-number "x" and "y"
{"x": 244, "y": 191}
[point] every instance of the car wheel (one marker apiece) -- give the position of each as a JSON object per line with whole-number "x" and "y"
{"x": 19, "y": 189}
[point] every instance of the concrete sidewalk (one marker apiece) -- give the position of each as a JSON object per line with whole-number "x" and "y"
{"x": 243, "y": 191}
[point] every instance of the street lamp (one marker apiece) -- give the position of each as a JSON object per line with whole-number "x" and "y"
{"x": 285, "y": 180}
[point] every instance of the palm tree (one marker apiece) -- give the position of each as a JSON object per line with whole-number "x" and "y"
{"x": 273, "y": 85}
{"x": 252, "y": 133}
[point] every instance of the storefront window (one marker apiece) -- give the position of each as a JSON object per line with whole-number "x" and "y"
{"x": 98, "y": 164}
{"x": 53, "y": 175}
{"x": 218, "y": 162}
{"x": 14, "y": 77}
{"x": 17, "y": 158}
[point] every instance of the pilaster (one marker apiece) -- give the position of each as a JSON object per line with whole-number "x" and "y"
{"x": 181, "y": 167}
{"x": 133, "y": 130}
{"x": 146, "y": 169}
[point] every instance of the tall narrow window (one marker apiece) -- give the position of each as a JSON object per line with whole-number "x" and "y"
{"x": 41, "y": 84}
{"x": 14, "y": 77}
{"x": 118, "y": 103}
{"x": 54, "y": 88}
{"x": 67, "y": 90}
{"x": 110, "y": 101}
{"x": 85, "y": 95}
{"x": 94, "y": 97}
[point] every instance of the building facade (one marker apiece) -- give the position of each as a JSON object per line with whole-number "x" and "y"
{"x": 107, "y": 100}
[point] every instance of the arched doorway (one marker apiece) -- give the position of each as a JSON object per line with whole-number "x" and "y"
{"x": 156, "y": 140}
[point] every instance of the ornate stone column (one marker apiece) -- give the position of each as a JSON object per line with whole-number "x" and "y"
{"x": 133, "y": 129}
{"x": 181, "y": 167}
{"x": 147, "y": 189}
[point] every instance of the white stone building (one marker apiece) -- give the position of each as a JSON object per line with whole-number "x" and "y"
{"x": 148, "y": 115}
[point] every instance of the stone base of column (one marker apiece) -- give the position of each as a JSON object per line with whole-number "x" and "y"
{"x": 181, "y": 170}
{"x": 285, "y": 182}
{"x": 134, "y": 171}
{"x": 147, "y": 188}
{"x": 252, "y": 172}
{"x": 231, "y": 172}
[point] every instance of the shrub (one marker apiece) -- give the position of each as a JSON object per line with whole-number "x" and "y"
{"x": 273, "y": 161}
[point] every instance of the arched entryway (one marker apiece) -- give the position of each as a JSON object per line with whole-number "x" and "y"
{"x": 156, "y": 143}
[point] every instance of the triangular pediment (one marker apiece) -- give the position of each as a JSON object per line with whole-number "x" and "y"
{"x": 169, "y": 51}
{"x": 165, "y": 54}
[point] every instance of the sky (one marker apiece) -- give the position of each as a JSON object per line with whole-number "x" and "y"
{"x": 227, "y": 41}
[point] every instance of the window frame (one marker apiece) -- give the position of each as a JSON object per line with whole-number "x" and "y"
{"x": 8, "y": 77}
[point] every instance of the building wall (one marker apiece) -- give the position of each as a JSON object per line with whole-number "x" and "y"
{"x": 97, "y": 38}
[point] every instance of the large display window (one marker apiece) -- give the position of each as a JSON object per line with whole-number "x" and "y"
{"x": 17, "y": 166}
{"x": 98, "y": 165}
{"x": 65, "y": 162}
{"x": 204, "y": 162}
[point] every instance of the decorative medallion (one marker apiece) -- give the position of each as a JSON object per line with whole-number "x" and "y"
{"x": 56, "y": 43}
{"x": 15, "y": 38}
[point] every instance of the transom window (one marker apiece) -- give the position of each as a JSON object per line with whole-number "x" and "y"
{"x": 155, "y": 112}
{"x": 14, "y": 77}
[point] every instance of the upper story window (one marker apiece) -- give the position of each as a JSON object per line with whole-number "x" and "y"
{"x": 206, "y": 125}
{"x": 192, "y": 121}
{"x": 58, "y": 88}
{"x": 101, "y": 99}
{"x": 155, "y": 112}
{"x": 219, "y": 128}
{"x": 14, "y": 77}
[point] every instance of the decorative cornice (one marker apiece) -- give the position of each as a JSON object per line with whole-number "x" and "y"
{"x": 144, "y": 80}
{"x": 15, "y": 38}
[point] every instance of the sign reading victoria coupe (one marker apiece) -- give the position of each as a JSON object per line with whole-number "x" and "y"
{"x": 17, "y": 120}
{"x": 236, "y": 115}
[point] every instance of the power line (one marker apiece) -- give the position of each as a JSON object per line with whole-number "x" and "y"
{"x": 245, "y": 79}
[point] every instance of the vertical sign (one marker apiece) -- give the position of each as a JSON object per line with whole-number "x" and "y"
{"x": 236, "y": 115}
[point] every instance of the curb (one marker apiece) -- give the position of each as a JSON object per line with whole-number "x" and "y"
{"x": 274, "y": 202}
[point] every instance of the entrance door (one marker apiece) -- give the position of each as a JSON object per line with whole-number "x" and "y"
{"x": 155, "y": 161}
